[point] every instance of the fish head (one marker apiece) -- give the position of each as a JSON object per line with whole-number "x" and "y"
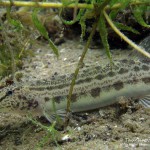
{"x": 17, "y": 100}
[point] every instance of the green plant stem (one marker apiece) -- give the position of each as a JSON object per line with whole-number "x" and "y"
{"x": 60, "y": 5}
{"x": 140, "y": 3}
{"x": 131, "y": 43}
{"x": 44, "y": 4}
{"x": 80, "y": 63}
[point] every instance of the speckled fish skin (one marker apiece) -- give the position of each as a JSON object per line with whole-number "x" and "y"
{"x": 95, "y": 87}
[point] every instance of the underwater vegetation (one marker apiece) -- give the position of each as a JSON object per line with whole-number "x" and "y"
{"x": 18, "y": 35}
{"x": 16, "y": 32}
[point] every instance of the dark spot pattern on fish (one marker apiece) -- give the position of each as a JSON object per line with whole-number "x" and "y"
{"x": 118, "y": 85}
{"x": 58, "y": 99}
{"x": 123, "y": 70}
{"x": 146, "y": 80}
{"x": 145, "y": 67}
{"x": 46, "y": 99}
{"x": 111, "y": 74}
{"x": 74, "y": 97}
{"x": 100, "y": 77}
{"x": 136, "y": 69}
{"x": 95, "y": 92}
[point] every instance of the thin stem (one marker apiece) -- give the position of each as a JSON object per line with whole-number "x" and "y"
{"x": 79, "y": 65}
{"x": 44, "y": 4}
{"x": 125, "y": 38}
{"x": 60, "y": 5}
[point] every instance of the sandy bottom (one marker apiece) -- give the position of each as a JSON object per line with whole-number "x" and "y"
{"x": 124, "y": 125}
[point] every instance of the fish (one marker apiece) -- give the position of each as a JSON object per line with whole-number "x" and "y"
{"x": 96, "y": 86}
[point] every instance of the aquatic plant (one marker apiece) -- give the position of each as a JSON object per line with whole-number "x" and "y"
{"x": 13, "y": 47}
{"x": 51, "y": 133}
{"x": 101, "y": 18}
{"x": 103, "y": 13}
{"x": 89, "y": 9}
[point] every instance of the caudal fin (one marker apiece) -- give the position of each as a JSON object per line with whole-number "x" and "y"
{"x": 145, "y": 101}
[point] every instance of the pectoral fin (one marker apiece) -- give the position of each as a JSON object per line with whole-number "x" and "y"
{"x": 145, "y": 101}
{"x": 58, "y": 116}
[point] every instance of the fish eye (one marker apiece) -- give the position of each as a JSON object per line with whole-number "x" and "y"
{"x": 9, "y": 92}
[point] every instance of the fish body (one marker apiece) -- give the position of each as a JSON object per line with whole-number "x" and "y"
{"x": 96, "y": 86}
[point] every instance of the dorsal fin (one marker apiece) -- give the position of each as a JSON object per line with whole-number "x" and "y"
{"x": 145, "y": 44}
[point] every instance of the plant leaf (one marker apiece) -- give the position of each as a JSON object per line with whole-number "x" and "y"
{"x": 114, "y": 12}
{"x": 103, "y": 34}
{"x": 124, "y": 27}
{"x": 16, "y": 23}
{"x": 138, "y": 14}
{"x": 43, "y": 31}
